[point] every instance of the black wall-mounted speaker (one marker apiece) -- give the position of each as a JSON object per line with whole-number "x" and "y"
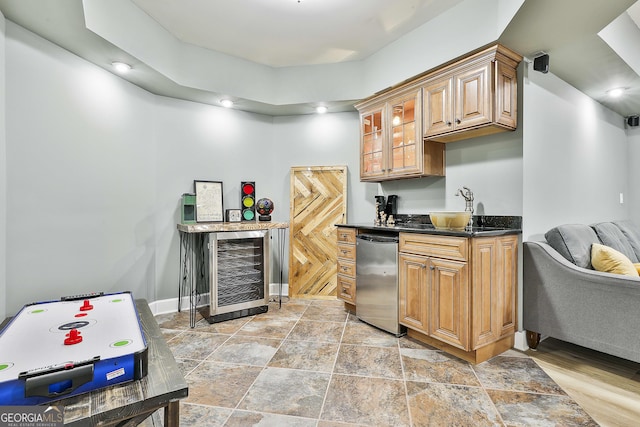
{"x": 541, "y": 63}
{"x": 248, "y": 200}
{"x": 633, "y": 121}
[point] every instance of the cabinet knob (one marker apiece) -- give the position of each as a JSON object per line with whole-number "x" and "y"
{"x": 458, "y": 121}
{"x": 431, "y": 267}
{"x": 448, "y": 123}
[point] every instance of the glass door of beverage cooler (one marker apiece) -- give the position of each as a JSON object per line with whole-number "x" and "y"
{"x": 239, "y": 272}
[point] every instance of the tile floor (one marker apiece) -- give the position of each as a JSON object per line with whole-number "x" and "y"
{"x": 311, "y": 363}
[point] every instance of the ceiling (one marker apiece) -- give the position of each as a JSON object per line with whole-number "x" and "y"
{"x": 283, "y": 33}
{"x": 291, "y": 33}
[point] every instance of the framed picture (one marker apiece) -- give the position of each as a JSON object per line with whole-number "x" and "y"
{"x": 208, "y": 201}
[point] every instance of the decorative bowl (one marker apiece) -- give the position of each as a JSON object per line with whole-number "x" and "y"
{"x": 450, "y": 220}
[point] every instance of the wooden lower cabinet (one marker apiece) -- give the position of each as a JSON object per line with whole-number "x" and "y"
{"x": 413, "y": 291}
{"x": 466, "y": 305}
{"x": 449, "y": 314}
{"x": 346, "y": 280}
{"x": 494, "y": 289}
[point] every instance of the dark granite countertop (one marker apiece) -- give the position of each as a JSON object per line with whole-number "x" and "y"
{"x": 483, "y": 226}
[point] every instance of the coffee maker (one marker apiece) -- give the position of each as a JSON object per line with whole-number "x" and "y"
{"x": 391, "y": 208}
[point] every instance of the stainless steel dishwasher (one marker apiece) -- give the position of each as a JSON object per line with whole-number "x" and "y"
{"x": 377, "y": 281}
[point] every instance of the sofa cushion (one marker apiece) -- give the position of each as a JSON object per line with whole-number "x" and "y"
{"x": 632, "y": 233}
{"x": 573, "y": 241}
{"x": 609, "y": 260}
{"x": 610, "y": 235}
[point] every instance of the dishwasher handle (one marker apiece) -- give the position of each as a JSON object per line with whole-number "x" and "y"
{"x": 377, "y": 238}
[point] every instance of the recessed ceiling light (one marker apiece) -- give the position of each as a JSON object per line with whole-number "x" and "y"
{"x": 321, "y": 109}
{"x": 226, "y": 103}
{"x": 121, "y": 67}
{"x": 616, "y": 92}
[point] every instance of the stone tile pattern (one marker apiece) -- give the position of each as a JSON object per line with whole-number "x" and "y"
{"x": 311, "y": 363}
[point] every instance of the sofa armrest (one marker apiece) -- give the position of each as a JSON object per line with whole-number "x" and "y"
{"x": 585, "y": 307}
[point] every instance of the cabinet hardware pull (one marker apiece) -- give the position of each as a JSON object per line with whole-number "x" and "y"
{"x": 432, "y": 267}
{"x": 448, "y": 123}
{"x": 458, "y": 121}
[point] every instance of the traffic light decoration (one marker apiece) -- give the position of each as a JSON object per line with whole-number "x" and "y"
{"x": 248, "y": 200}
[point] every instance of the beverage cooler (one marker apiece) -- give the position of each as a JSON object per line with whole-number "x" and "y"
{"x": 238, "y": 274}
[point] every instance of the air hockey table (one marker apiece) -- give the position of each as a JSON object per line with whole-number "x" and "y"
{"x": 55, "y": 349}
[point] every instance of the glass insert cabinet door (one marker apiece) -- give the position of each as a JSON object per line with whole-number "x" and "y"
{"x": 405, "y": 148}
{"x": 373, "y": 144}
{"x": 391, "y": 144}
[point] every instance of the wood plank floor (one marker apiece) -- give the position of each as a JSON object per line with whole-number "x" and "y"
{"x": 606, "y": 387}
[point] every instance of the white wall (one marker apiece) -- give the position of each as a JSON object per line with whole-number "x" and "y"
{"x": 3, "y": 177}
{"x": 490, "y": 166}
{"x": 320, "y": 140}
{"x": 95, "y": 170}
{"x": 575, "y": 157}
{"x": 633, "y": 197}
{"x": 575, "y": 160}
{"x": 80, "y": 176}
{"x": 196, "y": 141}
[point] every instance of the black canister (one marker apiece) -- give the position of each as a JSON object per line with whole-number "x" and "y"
{"x": 380, "y": 204}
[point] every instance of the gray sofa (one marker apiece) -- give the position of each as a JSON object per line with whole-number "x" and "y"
{"x": 565, "y": 298}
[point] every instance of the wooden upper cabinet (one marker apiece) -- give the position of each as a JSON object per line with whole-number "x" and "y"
{"x": 403, "y": 129}
{"x": 438, "y": 112}
{"x": 472, "y": 100}
{"x": 391, "y": 141}
{"x": 472, "y": 97}
{"x": 506, "y": 99}
{"x": 457, "y": 101}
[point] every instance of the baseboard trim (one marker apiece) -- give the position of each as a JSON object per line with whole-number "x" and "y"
{"x": 170, "y": 305}
{"x": 273, "y": 289}
{"x": 520, "y": 342}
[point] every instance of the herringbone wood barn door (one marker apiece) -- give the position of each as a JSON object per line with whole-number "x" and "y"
{"x": 318, "y": 201}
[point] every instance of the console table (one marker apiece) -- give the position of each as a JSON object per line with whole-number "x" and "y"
{"x": 193, "y": 281}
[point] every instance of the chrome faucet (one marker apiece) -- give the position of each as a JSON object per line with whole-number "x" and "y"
{"x": 467, "y": 194}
